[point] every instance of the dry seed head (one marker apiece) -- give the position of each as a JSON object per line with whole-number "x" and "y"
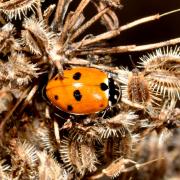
{"x": 166, "y": 121}
{"x": 84, "y": 134}
{"x": 25, "y": 152}
{"x": 41, "y": 33}
{"x": 88, "y": 158}
{"x": 70, "y": 155}
{"x": 138, "y": 90}
{"x": 160, "y": 58}
{"x": 17, "y": 8}
{"x": 6, "y": 39}
{"x": 163, "y": 71}
{"x": 115, "y": 126}
{"x": 165, "y": 82}
{"x": 135, "y": 89}
{"x": 115, "y": 147}
{"x": 3, "y": 168}
{"x": 49, "y": 168}
{"x": 30, "y": 42}
{"x": 18, "y": 70}
{"x": 78, "y": 156}
{"x": 45, "y": 139}
{"x": 167, "y": 110}
{"x": 106, "y": 131}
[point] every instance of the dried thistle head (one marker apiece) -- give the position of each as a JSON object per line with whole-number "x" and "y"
{"x": 49, "y": 168}
{"x": 116, "y": 147}
{"x": 148, "y": 150}
{"x": 166, "y": 120}
{"x": 136, "y": 91}
{"x": 162, "y": 71}
{"x": 82, "y": 133}
{"x": 4, "y": 168}
{"x": 63, "y": 40}
{"x": 18, "y": 70}
{"x": 37, "y": 36}
{"x": 23, "y": 157}
{"x": 79, "y": 157}
{"x": 17, "y": 8}
{"x": 116, "y": 126}
{"x": 45, "y": 139}
{"x": 6, "y": 37}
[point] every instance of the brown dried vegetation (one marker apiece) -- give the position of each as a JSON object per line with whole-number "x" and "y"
{"x": 126, "y": 141}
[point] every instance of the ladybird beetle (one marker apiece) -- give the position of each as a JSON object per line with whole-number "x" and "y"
{"x": 82, "y": 91}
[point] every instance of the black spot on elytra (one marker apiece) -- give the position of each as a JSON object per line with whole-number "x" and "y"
{"x": 77, "y": 76}
{"x": 69, "y": 108}
{"x": 103, "y": 86}
{"x": 77, "y": 95}
{"x": 56, "y": 97}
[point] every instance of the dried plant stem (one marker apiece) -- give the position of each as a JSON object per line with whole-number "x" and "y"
{"x": 88, "y": 24}
{"x": 129, "y": 48}
{"x": 39, "y": 12}
{"x": 131, "y": 168}
{"x": 110, "y": 19}
{"x": 170, "y": 12}
{"x": 139, "y": 21}
{"x": 58, "y": 14}
{"x": 56, "y": 132}
{"x": 114, "y": 33}
{"x": 106, "y": 50}
{"x": 29, "y": 97}
{"x": 156, "y": 45}
{"x": 77, "y": 13}
{"x": 47, "y": 13}
{"x": 3, "y": 122}
{"x": 65, "y": 29}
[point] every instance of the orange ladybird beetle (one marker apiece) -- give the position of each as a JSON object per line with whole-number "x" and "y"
{"x": 82, "y": 91}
